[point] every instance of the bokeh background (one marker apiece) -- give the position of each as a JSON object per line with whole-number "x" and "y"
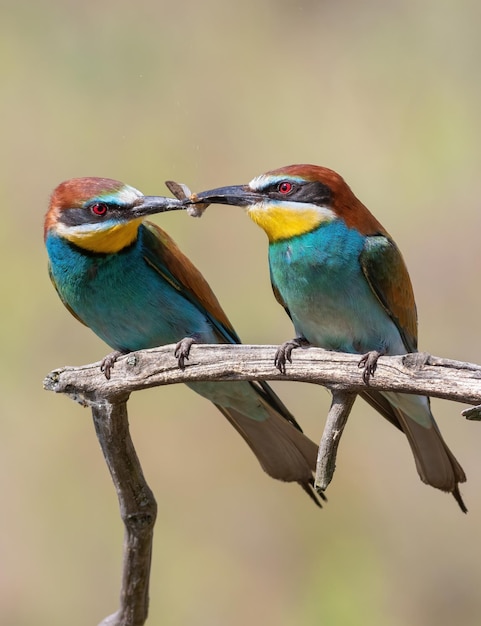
{"x": 212, "y": 93}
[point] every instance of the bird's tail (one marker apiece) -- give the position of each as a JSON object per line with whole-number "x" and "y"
{"x": 269, "y": 429}
{"x": 436, "y": 464}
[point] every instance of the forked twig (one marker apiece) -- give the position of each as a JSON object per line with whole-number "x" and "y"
{"x": 423, "y": 374}
{"x": 341, "y": 405}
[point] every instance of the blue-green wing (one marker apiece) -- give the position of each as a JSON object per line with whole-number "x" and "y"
{"x": 162, "y": 254}
{"x": 387, "y": 275}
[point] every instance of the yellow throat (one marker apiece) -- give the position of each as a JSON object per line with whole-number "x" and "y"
{"x": 104, "y": 240}
{"x": 283, "y": 221}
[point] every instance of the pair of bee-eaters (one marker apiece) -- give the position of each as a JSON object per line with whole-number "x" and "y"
{"x": 334, "y": 268}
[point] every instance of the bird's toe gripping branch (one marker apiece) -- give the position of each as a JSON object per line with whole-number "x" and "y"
{"x": 108, "y": 362}
{"x": 369, "y": 362}
{"x": 284, "y": 352}
{"x": 182, "y": 350}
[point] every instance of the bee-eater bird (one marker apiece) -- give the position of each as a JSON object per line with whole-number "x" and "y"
{"x": 126, "y": 279}
{"x": 343, "y": 282}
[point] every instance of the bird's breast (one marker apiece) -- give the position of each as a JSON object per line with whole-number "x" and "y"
{"x": 121, "y": 298}
{"x": 320, "y": 280}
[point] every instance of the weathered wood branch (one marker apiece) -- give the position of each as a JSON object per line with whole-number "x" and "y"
{"x": 412, "y": 373}
{"x": 341, "y": 405}
{"x": 138, "y": 508}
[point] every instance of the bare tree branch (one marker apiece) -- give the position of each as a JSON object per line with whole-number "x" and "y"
{"x": 418, "y": 373}
{"x": 412, "y": 373}
{"x": 341, "y": 406}
{"x": 473, "y": 413}
{"x": 138, "y": 508}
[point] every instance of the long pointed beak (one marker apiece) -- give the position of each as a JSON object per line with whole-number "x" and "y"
{"x": 149, "y": 205}
{"x": 237, "y": 195}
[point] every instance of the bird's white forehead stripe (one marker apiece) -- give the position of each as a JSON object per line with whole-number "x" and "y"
{"x": 125, "y": 195}
{"x": 264, "y": 180}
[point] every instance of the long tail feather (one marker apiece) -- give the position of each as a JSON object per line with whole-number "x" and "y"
{"x": 435, "y": 463}
{"x": 268, "y": 428}
{"x": 283, "y": 451}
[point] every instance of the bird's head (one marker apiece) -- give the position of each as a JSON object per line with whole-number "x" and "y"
{"x": 100, "y": 214}
{"x": 294, "y": 200}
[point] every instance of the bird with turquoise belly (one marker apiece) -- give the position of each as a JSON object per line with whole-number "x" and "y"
{"x": 343, "y": 282}
{"x": 126, "y": 279}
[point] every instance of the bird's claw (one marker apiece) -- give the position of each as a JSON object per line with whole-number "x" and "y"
{"x": 182, "y": 351}
{"x": 284, "y": 352}
{"x": 369, "y": 361}
{"x": 108, "y": 362}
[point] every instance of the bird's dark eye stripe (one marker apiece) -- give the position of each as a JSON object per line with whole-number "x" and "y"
{"x": 84, "y": 215}
{"x": 74, "y": 217}
{"x": 318, "y": 193}
{"x": 306, "y": 191}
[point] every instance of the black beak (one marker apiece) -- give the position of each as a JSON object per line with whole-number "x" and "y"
{"x": 149, "y": 205}
{"x": 237, "y": 195}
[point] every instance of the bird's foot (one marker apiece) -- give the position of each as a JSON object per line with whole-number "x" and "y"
{"x": 108, "y": 362}
{"x": 369, "y": 363}
{"x": 182, "y": 351}
{"x": 284, "y": 351}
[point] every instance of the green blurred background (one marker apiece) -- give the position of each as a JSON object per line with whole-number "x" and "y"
{"x": 213, "y": 93}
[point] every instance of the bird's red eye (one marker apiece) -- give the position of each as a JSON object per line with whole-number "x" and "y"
{"x": 99, "y": 208}
{"x": 285, "y": 187}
